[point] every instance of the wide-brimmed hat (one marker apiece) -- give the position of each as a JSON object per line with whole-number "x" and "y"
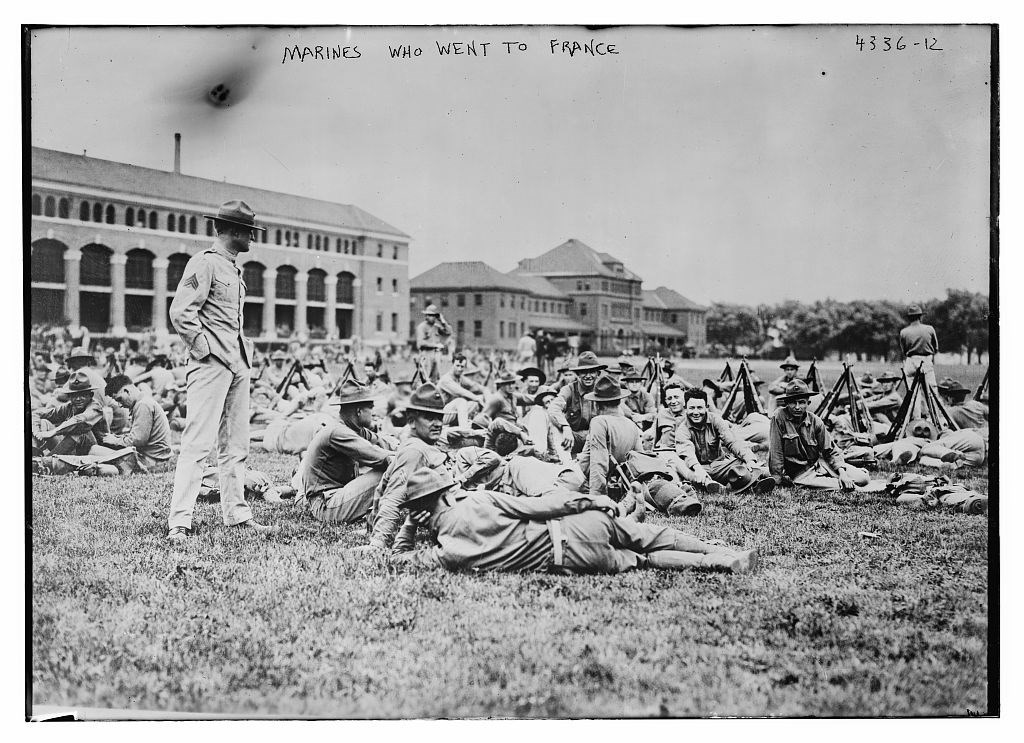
{"x": 425, "y": 483}
{"x": 471, "y": 370}
{"x": 431, "y": 309}
{"x": 756, "y": 380}
{"x": 790, "y": 363}
{"x": 278, "y": 355}
{"x": 888, "y": 377}
{"x": 78, "y": 382}
{"x": 426, "y": 399}
{"x": 716, "y": 386}
{"x": 795, "y": 390}
{"x": 534, "y": 372}
{"x": 237, "y": 212}
{"x": 353, "y": 393}
{"x": 80, "y": 353}
{"x": 606, "y": 389}
{"x": 951, "y": 386}
{"x": 914, "y": 309}
{"x": 631, "y": 375}
{"x": 543, "y": 393}
{"x": 587, "y": 362}
{"x": 868, "y": 380}
{"x": 505, "y": 377}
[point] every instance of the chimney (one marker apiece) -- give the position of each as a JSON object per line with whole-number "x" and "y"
{"x": 177, "y": 153}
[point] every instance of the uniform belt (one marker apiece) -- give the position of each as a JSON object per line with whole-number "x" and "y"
{"x": 555, "y": 530}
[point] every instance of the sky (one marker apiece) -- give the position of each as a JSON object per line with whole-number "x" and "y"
{"x": 734, "y": 164}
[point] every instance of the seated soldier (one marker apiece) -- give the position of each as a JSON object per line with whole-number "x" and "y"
{"x": 344, "y": 462}
{"x": 463, "y": 397}
{"x": 572, "y": 410}
{"x": 543, "y": 430}
{"x": 789, "y": 367}
{"x": 149, "y": 433}
{"x": 664, "y": 443}
{"x": 884, "y": 401}
{"x": 75, "y": 426}
{"x": 966, "y": 413}
{"x": 711, "y": 452}
{"x": 801, "y": 450}
{"x": 565, "y": 533}
{"x": 639, "y": 404}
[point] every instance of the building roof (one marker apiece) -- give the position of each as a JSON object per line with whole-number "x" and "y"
{"x": 573, "y": 258}
{"x": 539, "y": 286}
{"x": 567, "y": 324}
{"x": 667, "y": 299}
{"x": 63, "y": 167}
{"x": 466, "y": 276}
{"x": 660, "y": 329}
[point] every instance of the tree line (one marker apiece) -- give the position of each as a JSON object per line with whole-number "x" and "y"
{"x": 869, "y": 329}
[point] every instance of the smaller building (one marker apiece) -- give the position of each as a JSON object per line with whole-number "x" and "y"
{"x": 674, "y": 322}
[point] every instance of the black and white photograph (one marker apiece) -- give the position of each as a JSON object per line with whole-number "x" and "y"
{"x": 511, "y": 371}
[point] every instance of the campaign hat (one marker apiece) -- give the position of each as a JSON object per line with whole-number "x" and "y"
{"x": 77, "y": 383}
{"x": 587, "y": 362}
{"x": 426, "y": 399}
{"x": 795, "y": 390}
{"x": 533, "y": 371}
{"x": 951, "y": 386}
{"x": 505, "y": 377}
{"x": 716, "y": 386}
{"x": 236, "y": 212}
{"x": 353, "y": 393}
{"x": 888, "y": 377}
{"x": 543, "y": 393}
{"x": 790, "y": 363}
{"x": 630, "y": 374}
{"x": 914, "y": 310}
{"x": 431, "y": 309}
{"x": 80, "y": 353}
{"x": 425, "y": 483}
{"x": 606, "y": 389}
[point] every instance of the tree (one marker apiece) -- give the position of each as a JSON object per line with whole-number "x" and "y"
{"x": 961, "y": 322}
{"x": 733, "y": 325}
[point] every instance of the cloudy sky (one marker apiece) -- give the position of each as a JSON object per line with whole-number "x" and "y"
{"x": 733, "y": 164}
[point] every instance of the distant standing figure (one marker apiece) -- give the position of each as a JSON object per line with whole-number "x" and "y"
{"x": 207, "y": 314}
{"x": 919, "y": 345}
{"x": 433, "y": 332}
{"x": 527, "y": 350}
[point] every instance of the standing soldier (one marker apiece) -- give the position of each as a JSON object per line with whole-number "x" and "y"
{"x": 207, "y": 314}
{"x": 919, "y": 345}
{"x": 433, "y": 334}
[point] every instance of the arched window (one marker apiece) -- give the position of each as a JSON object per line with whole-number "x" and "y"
{"x": 318, "y": 242}
{"x": 345, "y": 293}
{"x": 394, "y": 253}
{"x": 83, "y": 211}
{"x": 176, "y": 269}
{"x": 170, "y": 223}
{"x": 37, "y": 204}
{"x": 49, "y": 207}
{"x": 285, "y": 282}
{"x": 346, "y": 247}
{"x": 142, "y": 217}
{"x": 182, "y": 224}
{"x": 95, "y": 268}
{"x": 277, "y": 237}
{"x": 97, "y": 212}
{"x": 315, "y": 290}
{"x": 309, "y": 242}
{"x": 209, "y": 228}
{"x": 152, "y": 220}
{"x": 138, "y": 271}
{"x": 252, "y": 275}
{"x": 63, "y": 208}
{"x": 48, "y": 261}
{"x": 111, "y": 214}
{"x": 192, "y": 225}
{"x": 129, "y": 216}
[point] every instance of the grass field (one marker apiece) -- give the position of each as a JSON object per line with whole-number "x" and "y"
{"x": 835, "y": 622}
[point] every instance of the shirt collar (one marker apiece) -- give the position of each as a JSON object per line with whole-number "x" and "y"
{"x": 221, "y": 249}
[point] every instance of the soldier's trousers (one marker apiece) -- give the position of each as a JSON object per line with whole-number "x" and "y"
{"x": 595, "y": 542}
{"x": 348, "y": 503}
{"x": 218, "y": 414}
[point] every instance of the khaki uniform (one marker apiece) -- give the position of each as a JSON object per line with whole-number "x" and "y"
{"x": 207, "y": 314}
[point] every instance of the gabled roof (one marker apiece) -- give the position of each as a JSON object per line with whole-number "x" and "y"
{"x": 573, "y": 258}
{"x": 63, "y": 167}
{"x": 671, "y": 300}
{"x": 660, "y": 329}
{"x": 539, "y": 286}
{"x": 466, "y": 275}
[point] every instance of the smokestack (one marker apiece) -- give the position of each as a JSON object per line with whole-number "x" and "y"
{"x": 177, "y": 153}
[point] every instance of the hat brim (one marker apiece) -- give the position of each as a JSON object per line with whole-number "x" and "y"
{"x": 594, "y": 398}
{"x": 368, "y": 400}
{"x": 783, "y": 399}
{"x": 235, "y": 221}
{"x": 423, "y": 409}
{"x": 633, "y": 378}
{"x": 789, "y": 366}
{"x": 426, "y": 496}
{"x": 596, "y": 367}
{"x": 65, "y": 390}
{"x": 532, "y": 371}
{"x": 539, "y": 399}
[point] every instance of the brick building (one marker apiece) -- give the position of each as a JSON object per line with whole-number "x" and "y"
{"x": 109, "y": 242}
{"x": 673, "y": 321}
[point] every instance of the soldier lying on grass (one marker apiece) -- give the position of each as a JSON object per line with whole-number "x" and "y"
{"x": 560, "y": 532}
